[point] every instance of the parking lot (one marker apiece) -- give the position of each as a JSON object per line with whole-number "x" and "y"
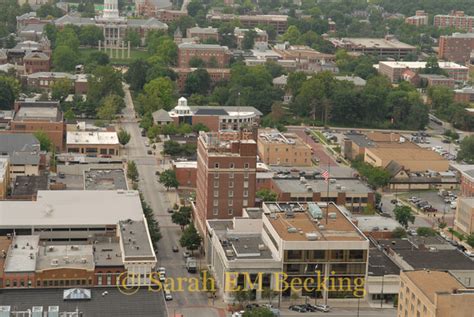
{"x": 433, "y": 199}
{"x": 114, "y": 303}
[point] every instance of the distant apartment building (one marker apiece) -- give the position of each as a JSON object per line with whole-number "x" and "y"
{"x": 260, "y": 35}
{"x": 150, "y": 8}
{"x": 303, "y": 54}
{"x": 431, "y": 80}
{"x": 216, "y": 75}
{"x": 394, "y": 69}
{"x": 464, "y": 217}
{"x": 168, "y": 16}
{"x": 215, "y": 118}
{"x": 285, "y": 149}
{"x": 278, "y": 22}
{"x": 467, "y": 180}
{"x": 93, "y": 143}
{"x": 23, "y": 153}
{"x": 45, "y": 80}
{"x": 46, "y": 116}
{"x": 213, "y": 55}
{"x": 465, "y": 95}
{"x": 457, "y": 47}
{"x": 34, "y": 2}
{"x": 455, "y": 19}
{"x": 385, "y": 47}
{"x": 226, "y": 177}
{"x": 420, "y": 18}
{"x": 203, "y": 34}
{"x": 426, "y": 293}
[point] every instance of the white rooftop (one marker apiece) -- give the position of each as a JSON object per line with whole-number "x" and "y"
{"x": 72, "y": 208}
{"x": 92, "y": 137}
{"x": 3, "y": 168}
{"x": 186, "y": 164}
{"x": 417, "y": 65}
{"x": 22, "y": 254}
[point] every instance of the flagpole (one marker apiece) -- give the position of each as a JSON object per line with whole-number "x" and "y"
{"x": 327, "y": 192}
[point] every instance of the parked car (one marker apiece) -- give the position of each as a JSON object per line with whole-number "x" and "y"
{"x": 186, "y": 254}
{"x": 168, "y": 295}
{"x": 149, "y": 152}
{"x": 175, "y": 248}
{"x": 393, "y": 201}
{"x": 323, "y": 308}
{"x": 469, "y": 253}
{"x": 298, "y": 308}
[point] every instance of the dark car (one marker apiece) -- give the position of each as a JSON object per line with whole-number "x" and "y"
{"x": 149, "y": 152}
{"x": 310, "y": 308}
{"x": 252, "y": 306}
{"x": 298, "y": 308}
{"x": 175, "y": 248}
{"x": 393, "y": 201}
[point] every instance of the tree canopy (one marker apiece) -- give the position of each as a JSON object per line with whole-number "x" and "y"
{"x": 466, "y": 150}
{"x": 404, "y": 215}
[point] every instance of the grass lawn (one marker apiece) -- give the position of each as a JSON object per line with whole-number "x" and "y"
{"x": 134, "y": 54}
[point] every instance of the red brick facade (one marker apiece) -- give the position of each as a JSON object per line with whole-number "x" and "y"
{"x": 456, "y": 48}
{"x": 206, "y": 52}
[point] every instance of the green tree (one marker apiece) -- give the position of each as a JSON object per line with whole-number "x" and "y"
{"x": 105, "y": 80}
{"x": 241, "y": 295}
{"x": 133, "y": 37}
{"x": 134, "y": 75}
{"x": 110, "y": 107}
{"x": 198, "y": 82}
{"x": 258, "y": 312}
{"x": 249, "y": 39}
{"x": 466, "y": 150}
{"x": 46, "y": 144}
{"x": 158, "y": 93}
{"x": 291, "y": 35}
{"x": 182, "y": 217}
{"x": 65, "y": 58}
{"x": 61, "y": 88}
{"x": 432, "y": 66}
{"x": 425, "y": 231}
{"x": 95, "y": 59}
{"x": 90, "y": 35}
{"x": 470, "y": 240}
{"x": 190, "y": 239}
{"x": 172, "y": 148}
{"x": 68, "y": 37}
{"x": 404, "y": 215}
{"x": 399, "y": 233}
{"x": 153, "y": 226}
{"x": 196, "y": 62}
{"x": 132, "y": 171}
{"x": 69, "y": 115}
{"x": 7, "y": 93}
{"x": 440, "y": 96}
{"x": 266, "y": 195}
{"x": 194, "y": 7}
{"x": 269, "y": 294}
{"x": 200, "y": 127}
{"x": 295, "y": 82}
{"x": 123, "y": 137}
{"x": 168, "y": 179}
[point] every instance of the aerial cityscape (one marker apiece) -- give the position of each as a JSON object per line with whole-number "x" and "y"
{"x": 237, "y": 158}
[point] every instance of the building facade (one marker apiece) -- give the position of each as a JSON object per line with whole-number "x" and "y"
{"x": 420, "y": 18}
{"x": 394, "y": 70}
{"x": 226, "y": 177}
{"x": 464, "y": 217}
{"x": 279, "y": 22}
{"x": 211, "y": 54}
{"x": 95, "y": 144}
{"x": 457, "y": 47}
{"x": 455, "y": 19}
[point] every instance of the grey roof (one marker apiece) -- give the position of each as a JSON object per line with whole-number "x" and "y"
{"x": 161, "y": 115}
{"x": 52, "y": 114}
{"x": 203, "y": 46}
{"x": 29, "y": 185}
{"x": 105, "y": 179}
{"x": 3, "y": 54}
{"x": 354, "y": 79}
{"x": 36, "y": 55}
{"x": 68, "y": 19}
{"x": 52, "y": 75}
{"x": 150, "y": 23}
{"x": 37, "y": 27}
{"x": 393, "y": 168}
{"x": 211, "y": 112}
{"x": 107, "y": 251}
{"x": 162, "y": 4}
{"x": 21, "y": 142}
{"x": 208, "y": 30}
{"x": 437, "y": 260}
{"x": 135, "y": 240}
{"x": 345, "y": 186}
{"x": 434, "y": 76}
{"x": 25, "y": 158}
{"x": 380, "y": 264}
{"x": 360, "y": 139}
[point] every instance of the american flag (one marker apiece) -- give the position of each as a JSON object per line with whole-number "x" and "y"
{"x": 325, "y": 175}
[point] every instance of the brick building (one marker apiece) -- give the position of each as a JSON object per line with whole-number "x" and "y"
{"x": 95, "y": 143}
{"x": 456, "y": 47}
{"x": 260, "y": 35}
{"x": 203, "y": 34}
{"x": 168, "y": 16}
{"x": 45, "y": 116}
{"x": 465, "y": 94}
{"x": 382, "y": 47}
{"x": 45, "y": 81}
{"x": 209, "y": 53}
{"x": 216, "y": 74}
{"x": 36, "y": 62}
{"x": 279, "y": 22}
{"x": 285, "y": 149}
{"x": 226, "y": 177}
{"x": 464, "y": 216}
{"x": 430, "y": 80}
{"x": 420, "y": 18}
{"x": 186, "y": 173}
{"x": 455, "y": 19}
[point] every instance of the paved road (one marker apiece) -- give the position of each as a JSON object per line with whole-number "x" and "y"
{"x": 346, "y": 312}
{"x": 319, "y": 151}
{"x": 160, "y": 200}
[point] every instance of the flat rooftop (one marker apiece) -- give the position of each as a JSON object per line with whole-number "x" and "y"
{"x": 380, "y": 264}
{"x": 270, "y": 136}
{"x": 418, "y": 65}
{"x": 78, "y": 256}
{"x": 348, "y": 186}
{"x": 71, "y": 208}
{"x": 3, "y": 168}
{"x": 18, "y": 142}
{"x": 135, "y": 241}
{"x": 432, "y": 282}
{"x": 373, "y": 43}
{"x": 105, "y": 179}
{"x": 107, "y": 251}
{"x": 51, "y": 114}
{"x": 376, "y": 223}
{"x": 29, "y": 185}
{"x": 92, "y": 137}
{"x": 293, "y": 222}
{"x": 245, "y": 246}
{"x": 22, "y": 255}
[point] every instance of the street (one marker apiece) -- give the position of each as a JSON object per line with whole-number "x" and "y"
{"x": 160, "y": 200}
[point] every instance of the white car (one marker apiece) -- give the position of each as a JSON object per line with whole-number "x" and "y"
{"x": 162, "y": 270}
{"x": 469, "y": 253}
{"x": 238, "y": 313}
{"x": 162, "y": 276}
{"x": 168, "y": 295}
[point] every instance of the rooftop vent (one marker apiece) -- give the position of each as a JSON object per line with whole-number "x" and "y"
{"x": 312, "y": 236}
{"x": 292, "y": 230}
{"x": 229, "y": 252}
